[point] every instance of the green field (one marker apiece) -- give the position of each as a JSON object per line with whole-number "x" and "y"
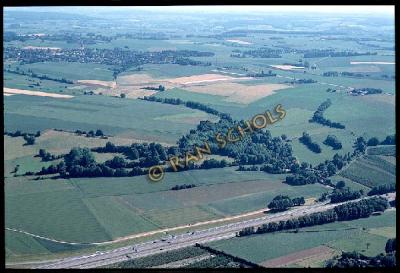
{"x": 106, "y": 208}
{"x": 136, "y": 118}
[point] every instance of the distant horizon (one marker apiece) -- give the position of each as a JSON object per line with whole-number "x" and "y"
{"x": 255, "y": 9}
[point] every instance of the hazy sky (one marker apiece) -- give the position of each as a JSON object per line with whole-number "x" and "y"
{"x": 319, "y": 9}
{"x": 365, "y": 9}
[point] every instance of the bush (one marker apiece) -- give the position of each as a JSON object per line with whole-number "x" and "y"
{"x": 373, "y": 141}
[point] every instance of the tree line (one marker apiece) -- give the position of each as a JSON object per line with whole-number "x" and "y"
{"x": 189, "y": 104}
{"x": 28, "y": 137}
{"x": 32, "y": 74}
{"x": 319, "y": 118}
{"x": 349, "y": 211}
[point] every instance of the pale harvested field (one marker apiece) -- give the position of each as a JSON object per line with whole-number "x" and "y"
{"x": 42, "y": 47}
{"x": 372, "y": 63}
{"x": 239, "y": 93}
{"x": 310, "y": 201}
{"x": 109, "y": 84}
{"x": 132, "y": 85}
{"x": 205, "y": 78}
{"x": 239, "y": 42}
{"x": 35, "y": 93}
{"x": 287, "y": 67}
{"x": 315, "y": 253}
{"x": 136, "y": 79}
{"x": 37, "y": 34}
{"x": 364, "y": 68}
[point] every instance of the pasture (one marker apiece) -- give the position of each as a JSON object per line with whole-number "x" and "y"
{"x": 136, "y": 119}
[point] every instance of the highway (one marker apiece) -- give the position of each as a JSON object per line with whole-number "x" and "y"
{"x": 172, "y": 242}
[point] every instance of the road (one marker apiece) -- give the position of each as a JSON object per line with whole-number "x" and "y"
{"x": 186, "y": 239}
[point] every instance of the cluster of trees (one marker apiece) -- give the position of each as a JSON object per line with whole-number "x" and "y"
{"x": 258, "y": 53}
{"x": 358, "y": 260}
{"x": 344, "y": 194}
{"x": 390, "y": 245}
{"x": 213, "y": 163}
{"x": 181, "y": 187}
{"x": 160, "y": 88}
{"x": 248, "y": 168}
{"x": 332, "y": 141}
{"x": 365, "y": 91}
{"x": 117, "y": 56}
{"x": 259, "y": 147}
{"x": 31, "y": 74}
{"x": 360, "y": 145}
{"x": 140, "y": 151}
{"x": 330, "y": 74}
{"x": 373, "y": 141}
{"x": 382, "y": 189}
{"x": 319, "y": 117}
{"x": 46, "y": 156}
{"x": 389, "y": 140}
{"x": 18, "y": 133}
{"x": 262, "y": 74}
{"x": 189, "y": 104}
{"x": 29, "y": 138}
{"x": 360, "y": 209}
{"x": 345, "y": 74}
{"x": 91, "y": 133}
{"x": 313, "y": 146}
{"x": 80, "y": 162}
{"x": 306, "y": 174}
{"x": 318, "y": 53}
{"x": 283, "y": 202}
{"x": 349, "y": 211}
{"x": 301, "y": 81}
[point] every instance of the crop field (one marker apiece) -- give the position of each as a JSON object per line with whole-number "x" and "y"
{"x": 389, "y": 150}
{"x": 340, "y": 236}
{"x": 164, "y": 258}
{"x": 371, "y": 171}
